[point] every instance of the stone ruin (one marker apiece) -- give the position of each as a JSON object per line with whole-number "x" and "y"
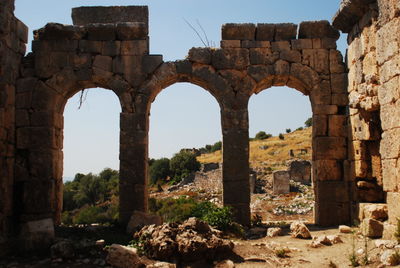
{"x": 355, "y": 104}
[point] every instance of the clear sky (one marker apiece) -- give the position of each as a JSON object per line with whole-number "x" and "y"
{"x": 183, "y": 115}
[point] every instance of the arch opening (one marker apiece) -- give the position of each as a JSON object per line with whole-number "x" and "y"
{"x": 280, "y": 155}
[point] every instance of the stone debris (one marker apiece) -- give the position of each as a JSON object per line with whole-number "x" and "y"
{"x": 299, "y": 230}
{"x": 124, "y": 257}
{"x": 140, "y": 219}
{"x": 390, "y": 257}
{"x": 272, "y": 232}
{"x": 385, "y": 244}
{"x": 325, "y": 240}
{"x": 345, "y": 229}
{"x": 63, "y": 249}
{"x": 193, "y": 240}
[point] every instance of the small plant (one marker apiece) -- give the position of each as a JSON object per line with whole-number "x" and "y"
{"x": 299, "y": 128}
{"x": 288, "y": 130}
{"x": 353, "y": 257}
{"x": 281, "y": 253}
{"x": 262, "y": 136}
{"x": 281, "y": 137}
{"x": 308, "y": 122}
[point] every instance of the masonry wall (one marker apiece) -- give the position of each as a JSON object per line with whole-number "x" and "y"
{"x": 373, "y": 60}
{"x": 13, "y": 37}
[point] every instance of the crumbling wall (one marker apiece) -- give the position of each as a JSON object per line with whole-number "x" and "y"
{"x": 13, "y": 37}
{"x": 373, "y": 60}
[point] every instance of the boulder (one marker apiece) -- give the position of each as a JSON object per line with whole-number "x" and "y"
{"x": 272, "y": 232}
{"x": 191, "y": 241}
{"x": 124, "y": 257}
{"x": 63, "y": 249}
{"x": 140, "y": 219}
{"x": 372, "y": 228}
{"x": 319, "y": 241}
{"x": 375, "y": 211}
{"x": 344, "y": 229}
{"x": 299, "y": 230}
{"x": 390, "y": 257}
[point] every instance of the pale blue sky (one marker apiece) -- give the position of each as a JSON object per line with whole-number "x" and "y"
{"x": 183, "y": 115}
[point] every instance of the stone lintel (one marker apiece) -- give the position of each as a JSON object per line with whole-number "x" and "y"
{"x": 349, "y": 13}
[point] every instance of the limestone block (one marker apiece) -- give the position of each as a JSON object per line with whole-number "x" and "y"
{"x": 300, "y": 44}
{"x": 370, "y": 66}
{"x": 200, "y": 55}
{"x": 86, "y": 46}
{"x": 327, "y": 170}
{"x": 354, "y": 52}
{"x": 393, "y": 203}
{"x": 330, "y": 148}
{"x": 377, "y": 212}
{"x": 183, "y": 67}
{"x": 390, "y": 174}
{"x": 255, "y": 44}
{"x": 82, "y": 60}
{"x": 151, "y": 62}
{"x": 101, "y": 32}
{"x": 262, "y": 56}
{"x": 325, "y": 109}
{"x": 304, "y": 74}
{"x": 261, "y": 72}
{"x": 390, "y": 114}
{"x": 291, "y": 55}
{"x": 387, "y": 44}
{"x": 103, "y": 63}
{"x": 110, "y": 14}
{"x": 22, "y": 31}
{"x": 131, "y": 30}
{"x": 390, "y": 144}
{"x": 336, "y": 64}
{"x": 318, "y": 59}
{"x": 390, "y": 69}
{"x": 130, "y": 67}
{"x": 62, "y": 82}
{"x": 363, "y": 129}
{"x": 280, "y": 46}
{"x": 231, "y": 44}
{"x": 111, "y": 48}
{"x": 389, "y": 231}
{"x": 285, "y": 31}
{"x": 232, "y": 58}
{"x": 265, "y": 31}
{"x": 56, "y": 31}
{"x": 320, "y": 125}
{"x": 134, "y": 48}
{"x": 281, "y": 182}
{"x": 389, "y": 91}
{"x": 357, "y": 150}
{"x": 237, "y": 31}
{"x": 338, "y": 125}
{"x": 124, "y": 257}
{"x": 317, "y": 29}
{"x": 372, "y": 228}
{"x": 39, "y": 233}
{"x": 328, "y": 43}
{"x": 300, "y": 171}
{"x": 340, "y": 99}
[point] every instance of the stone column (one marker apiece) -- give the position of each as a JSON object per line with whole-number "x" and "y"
{"x": 133, "y": 164}
{"x": 235, "y": 169}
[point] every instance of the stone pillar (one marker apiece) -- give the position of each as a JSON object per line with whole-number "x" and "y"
{"x": 235, "y": 169}
{"x": 133, "y": 164}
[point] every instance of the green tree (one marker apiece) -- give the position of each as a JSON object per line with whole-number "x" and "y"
{"x": 182, "y": 164}
{"x": 262, "y": 135}
{"x": 308, "y": 122}
{"x": 159, "y": 170}
{"x": 281, "y": 137}
{"x": 69, "y": 191}
{"x": 288, "y": 130}
{"x": 91, "y": 190}
{"x": 216, "y": 146}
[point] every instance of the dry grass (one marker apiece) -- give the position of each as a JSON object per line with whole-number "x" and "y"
{"x": 272, "y": 152}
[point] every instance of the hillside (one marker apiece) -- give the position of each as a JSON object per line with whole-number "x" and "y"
{"x": 272, "y": 152}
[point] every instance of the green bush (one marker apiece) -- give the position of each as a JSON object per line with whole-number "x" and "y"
{"x": 281, "y": 137}
{"x": 220, "y": 218}
{"x": 216, "y": 147}
{"x": 308, "y": 122}
{"x": 288, "y": 130}
{"x": 182, "y": 164}
{"x": 262, "y": 136}
{"x": 90, "y": 215}
{"x": 299, "y": 128}
{"x": 159, "y": 170}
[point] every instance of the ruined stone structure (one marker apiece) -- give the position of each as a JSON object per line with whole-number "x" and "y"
{"x": 109, "y": 48}
{"x": 373, "y": 62}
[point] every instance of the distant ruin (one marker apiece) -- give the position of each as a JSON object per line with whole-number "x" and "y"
{"x": 356, "y": 112}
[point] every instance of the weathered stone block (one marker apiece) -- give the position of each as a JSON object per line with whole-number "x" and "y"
{"x": 320, "y": 125}
{"x": 317, "y": 29}
{"x": 131, "y": 31}
{"x": 317, "y": 59}
{"x": 280, "y": 46}
{"x": 390, "y": 144}
{"x": 200, "y": 55}
{"x": 305, "y": 74}
{"x": 291, "y": 55}
{"x": 265, "y": 32}
{"x": 327, "y": 170}
{"x": 237, "y": 31}
{"x": 37, "y": 234}
{"x": 390, "y": 174}
{"x": 255, "y": 44}
{"x": 111, "y": 48}
{"x": 134, "y": 48}
{"x": 340, "y": 99}
{"x": 393, "y": 203}
{"x": 151, "y": 62}
{"x": 281, "y": 182}
{"x": 372, "y": 228}
{"x": 338, "y": 125}
{"x": 183, "y": 67}
{"x": 86, "y": 46}
{"x": 262, "y": 56}
{"x": 110, "y": 14}
{"x": 22, "y": 31}
{"x": 101, "y": 32}
{"x": 261, "y": 72}
{"x": 231, "y": 44}
{"x": 389, "y": 91}
{"x": 300, "y": 44}
{"x": 285, "y": 31}
{"x": 103, "y": 63}
{"x": 325, "y": 109}
{"x": 390, "y": 114}
{"x": 387, "y": 41}
{"x": 330, "y": 148}
{"x": 336, "y": 64}
{"x": 339, "y": 83}
{"x": 56, "y": 31}
{"x": 233, "y": 58}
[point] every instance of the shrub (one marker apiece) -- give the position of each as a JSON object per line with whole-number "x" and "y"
{"x": 300, "y": 128}
{"x": 308, "y": 122}
{"x": 288, "y": 130}
{"x": 90, "y": 215}
{"x": 159, "y": 170}
{"x": 173, "y": 210}
{"x": 281, "y": 137}
{"x": 220, "y": 218}
{"x": 262, "y": 136}
{"x": 216, "y": 146}
{"x": 182, "y": 164}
